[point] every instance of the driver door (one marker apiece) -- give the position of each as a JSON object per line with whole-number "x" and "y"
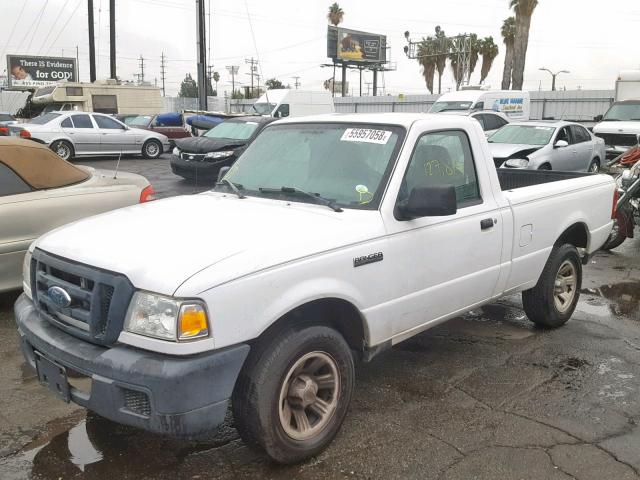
{"x": 563, "y": 158}
{"x": 442, "y": 265}
{"x": 114, "y": 136}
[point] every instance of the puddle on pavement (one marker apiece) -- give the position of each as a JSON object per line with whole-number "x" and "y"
{"x": 96, "y": 448}
{"x": 619, "y": 299}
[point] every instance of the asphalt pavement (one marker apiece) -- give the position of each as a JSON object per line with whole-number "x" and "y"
{"x": 484, "y": 396}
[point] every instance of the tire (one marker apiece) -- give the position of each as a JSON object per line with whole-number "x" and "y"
{"x": 544, "y": 166}
{"x": 151, "y": 149}
{"x": 544, "y": 305}
{"x": 63, "y": 149}
{"x": 619, "y": 232}
{"x": 594, "y": 166}
{"x": 266, "y": 407}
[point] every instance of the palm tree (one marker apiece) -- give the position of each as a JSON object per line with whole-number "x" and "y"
{"x": 508, "y": 31}
{"x": 426, "y": 58}
{"x": 489, "y": 51}
{"x": 442, "y": 47}
{"x": 453, "y": 61}
{"x": 335, "y": 14}
{"x": 475, "y": 52}
{"x": 216, "y": 79}
{"x": 524, "y": 10}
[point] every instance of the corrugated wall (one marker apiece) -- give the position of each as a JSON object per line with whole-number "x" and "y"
{"x": 579, "y": 105}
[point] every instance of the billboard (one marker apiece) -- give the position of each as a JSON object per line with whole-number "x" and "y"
{"x": 24, "y": 71}
{"x": 353, "y": 46}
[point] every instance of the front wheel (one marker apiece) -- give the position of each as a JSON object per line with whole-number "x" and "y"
{"x": 152, "y": 149}
{"x": 594, "y": 166}
{"x": 293, "y": 393}
{"x": 552, "y": 301}
{"x": 63, "y": 149}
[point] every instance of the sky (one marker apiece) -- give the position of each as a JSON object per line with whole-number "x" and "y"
{"x": 592, "y": 39}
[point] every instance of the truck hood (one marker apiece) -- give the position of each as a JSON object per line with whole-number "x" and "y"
{"x": 506, "y": 150}
{"x": 206, "y": 145}
{"x": 162, "y": 244}
{"x": 617, "y": 127}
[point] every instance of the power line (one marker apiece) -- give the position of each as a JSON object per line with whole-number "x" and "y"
{"x": 37, "y": 24}
{"x": 26, "y": 35}
{"x": 65, "y": 24}
{"x": 53, "y": 25}
{"x": 4, "y": 51}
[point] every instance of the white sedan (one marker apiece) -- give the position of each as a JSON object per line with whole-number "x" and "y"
{"x": 39, "y": 191}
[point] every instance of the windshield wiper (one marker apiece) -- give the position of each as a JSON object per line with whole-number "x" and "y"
{"x": 315, "y": 196}
{"x": 233, "y": 187}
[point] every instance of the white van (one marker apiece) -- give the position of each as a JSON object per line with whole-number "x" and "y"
{"x": 620, "y": 126}
{"x": 515, "y": 104}
{"x": 284, "y": 102}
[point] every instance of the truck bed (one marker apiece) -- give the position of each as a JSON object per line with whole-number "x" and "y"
{"x": 511, "y": 179}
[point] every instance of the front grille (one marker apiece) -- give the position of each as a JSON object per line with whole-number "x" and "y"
{"x": 137, "y": 402}
{"x": 618, "y": 139}
{"x": 192, "y": 157}
{"x": 94, "y": 302}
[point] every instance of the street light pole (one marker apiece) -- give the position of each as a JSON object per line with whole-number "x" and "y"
{"x": 553, "y": 76}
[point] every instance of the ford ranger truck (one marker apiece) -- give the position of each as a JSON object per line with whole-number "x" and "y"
{"x": 331, "y": 239}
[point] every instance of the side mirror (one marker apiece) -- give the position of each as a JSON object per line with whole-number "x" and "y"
{"x": 222, "y": 172}
{"x": 561, "y": 144}
{"x": 436, "y": 201}
{"x": 597, "y": 118}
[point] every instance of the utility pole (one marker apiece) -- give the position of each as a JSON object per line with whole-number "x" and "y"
{"x": 92, "y": 44}
{"x": 296, "y": 82}
{"x": 233, "y": 71}
{"x": 209, "y": 76}
{"x": 163, "y": 75}
{"x": 141, "y": 74}
{"x": 78, "y": 63}
{"x": 253, "y": 70}
{"x": 553, "y": 76}
{"x": 112, "y": 38}
{"x": 202, "y": 54}
{"x": 368, "y": 84}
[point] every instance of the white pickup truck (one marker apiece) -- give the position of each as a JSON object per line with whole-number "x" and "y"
{"x": 331, "y": 239}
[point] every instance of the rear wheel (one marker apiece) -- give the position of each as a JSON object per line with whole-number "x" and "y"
{"x": 554, "y": 298}
{"x": 293, "y": 393}
{"x": 152, "y": 149}
{"x": 594, "y": 166}
{"x": 63, "y": 149}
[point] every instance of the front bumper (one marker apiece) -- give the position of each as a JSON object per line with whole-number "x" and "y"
{"x": 199, "y": 169}
{"x": 180, "y": 396}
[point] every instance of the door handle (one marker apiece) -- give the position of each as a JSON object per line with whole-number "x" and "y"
{"x": 486, "y": 224}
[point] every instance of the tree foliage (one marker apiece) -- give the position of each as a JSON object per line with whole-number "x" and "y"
{"x": 188, "y": 87}
{"x": 489, "y": 51}
{"x": 273, "y": 83}
{"x": 335, "y": 15}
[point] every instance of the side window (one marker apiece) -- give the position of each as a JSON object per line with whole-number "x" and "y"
{"x": 443, "y": 158}
{"x": 66, "y": 123}
{"x": 82, "y": 121}
{"x": 107, "y": 123}
{"x": 481, "y": 119}
{"x": 564, "y": 135}
{"x": 580, "y": 134}
{"x": 479, "y": 106}
{"x": 282, "y": 111}
{"x": 500, "y": 121}
{"x": 11, "y": 183}
{"x": 490, "y": 122}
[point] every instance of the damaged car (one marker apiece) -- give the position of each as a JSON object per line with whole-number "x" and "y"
{"x": 547, "y": 145}
{"x": 201, "y": 158}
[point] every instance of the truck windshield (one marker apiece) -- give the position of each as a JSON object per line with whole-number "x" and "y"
{"x": 448, "y": 106}
{"x": 522, "y": 135}
{"x": 5, "y": 117}
{"x": 232, "y": 130}
{"x": 622, "y": 112}
{"x": 345, "y": 163}
{"x": 46, "y": 118}
{"x": 263, "y": 108}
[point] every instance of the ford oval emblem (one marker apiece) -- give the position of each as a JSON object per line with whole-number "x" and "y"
{"x": 59, "y": 296}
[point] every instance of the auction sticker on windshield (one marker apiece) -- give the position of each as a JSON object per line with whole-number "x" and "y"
{"x": 366, "y": 135}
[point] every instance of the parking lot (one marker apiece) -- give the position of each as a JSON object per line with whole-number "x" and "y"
{"x": 484, "y": 396}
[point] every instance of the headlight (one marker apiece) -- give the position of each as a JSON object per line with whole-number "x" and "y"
{"x": 218, "y": 155}
{"x": 166, "y": 318}
{"x": 26, "y": 274}
{"x": 517, "y": 163}
{"x": 176, "y": 151}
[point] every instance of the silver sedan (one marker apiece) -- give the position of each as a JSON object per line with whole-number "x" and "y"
{"x": 82, "y": 134}
{"x": 547, "y": 145}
